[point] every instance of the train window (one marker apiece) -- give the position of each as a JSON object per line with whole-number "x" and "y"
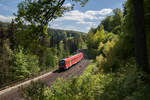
{"x": 61, "y": 63}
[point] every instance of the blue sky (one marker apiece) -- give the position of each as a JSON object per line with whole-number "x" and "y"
{"x": 79, "y": 19}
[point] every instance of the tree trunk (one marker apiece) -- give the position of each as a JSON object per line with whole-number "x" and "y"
{"x": 140, "y": 36}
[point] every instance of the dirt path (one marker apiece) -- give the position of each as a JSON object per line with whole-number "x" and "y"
{"x": 12, "y": 93}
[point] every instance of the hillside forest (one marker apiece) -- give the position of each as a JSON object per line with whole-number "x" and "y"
{"x": 22, "y": 55}
{"x": 118, "y": 48}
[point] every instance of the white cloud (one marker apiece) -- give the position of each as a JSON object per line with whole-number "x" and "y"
{"x": 68, "y": 5}
{"x": 55, "y": 26}
{"x": 101, "y": 17}
{"x": 79, "y": 16}
{"x": 89, "y": 18}
{"x": 85, "y": 22}
{"x": 6, "y": 18}
{"x": 105, "y": 11}
{"x": 88, "y": 28}
{"x": 76, "y": 15}
{"x": 90, "y": 12}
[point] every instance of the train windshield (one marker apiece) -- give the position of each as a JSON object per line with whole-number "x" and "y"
{"x": 61, "y": 63}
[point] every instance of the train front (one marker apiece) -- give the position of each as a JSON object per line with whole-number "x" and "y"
{"x": 61, "y": 64}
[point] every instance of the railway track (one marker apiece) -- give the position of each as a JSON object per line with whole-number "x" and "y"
{"x": 12, "y": 93}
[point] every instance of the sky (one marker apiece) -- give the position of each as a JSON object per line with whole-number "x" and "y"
{"x": 79, "y": 19}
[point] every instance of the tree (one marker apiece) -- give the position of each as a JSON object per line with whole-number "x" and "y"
{"x": 140, "y": 36}
{"x": 19, "y": 66}
{"x": 40, "y": 12}
{"x": 61, "y": 49}
{"x": 113, "y": 23}
{"x": 81, "y": 42}
{"x": 32, "y": 21}
{"x": 5, "y": 55}
{"x": 23, "y": 65}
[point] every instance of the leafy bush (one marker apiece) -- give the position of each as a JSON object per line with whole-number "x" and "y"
{"x": 37, "y": 91}
{"x": 33, "y": 64}
{"x": 51, "y": 58}
{"x": 23, "y": 65}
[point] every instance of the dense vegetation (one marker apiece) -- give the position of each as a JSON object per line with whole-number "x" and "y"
{"x": 115, "y": 73}
{"x": 22, "y": 57}
{"x": 28, "y": 46}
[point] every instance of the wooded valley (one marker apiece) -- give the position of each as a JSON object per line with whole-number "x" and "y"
{"x": 24, "y": 55}
{"x": 119, "y": 49}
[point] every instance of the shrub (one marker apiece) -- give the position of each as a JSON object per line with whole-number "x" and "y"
{"x": 51, "y": 58}
{"x": 23, "y": 65}
{"x": 33, "y": 64}
{"x": 37, "y": 91}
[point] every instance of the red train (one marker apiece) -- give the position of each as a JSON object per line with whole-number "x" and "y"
{"x": 68, "y": 62}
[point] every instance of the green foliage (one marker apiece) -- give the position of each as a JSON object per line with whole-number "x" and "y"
{"x": 126, "y": 84}
{"x": 51, "y": 57}
{"x": 106, "y": 33}
{"x": 27, "y": 37}
{"x": 33, "y": 64}
{"x": 36, "y": 54}
{"x": 32, "y": 28}
{"x": 94, "y": 40}
{"x": 35, "y": 92}
{"x": 113, "y": 23}
{"x": 114, "y": 75}
{"x": 61, "y": 49}
{"x": 39, "y": 43}
{"x": 39, "y": 12}
{"x": 117, "y": 56}
{"x": 5, "y": 57}
{"x": 23, "y": 65}
{"x": 19, "y": 66}
{"x": 100, "y": 41}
